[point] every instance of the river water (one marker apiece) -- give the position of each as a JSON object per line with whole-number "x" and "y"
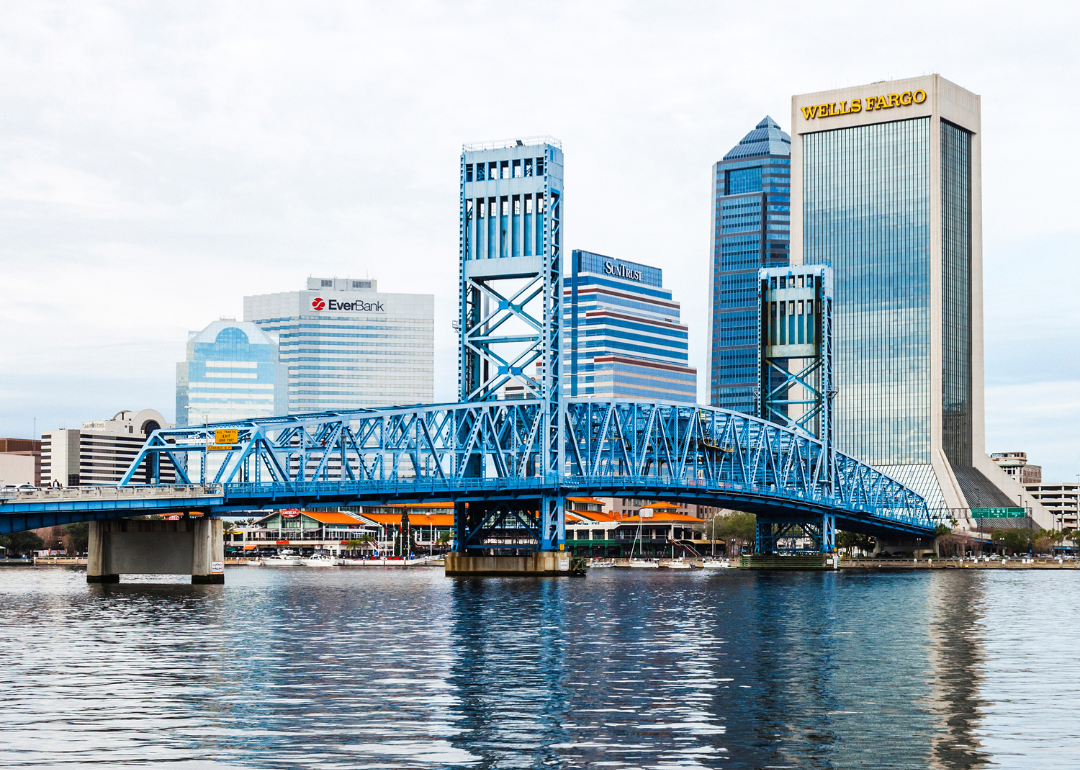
{"x": 370, "y": 667}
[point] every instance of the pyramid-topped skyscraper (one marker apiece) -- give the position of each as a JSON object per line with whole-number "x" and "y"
{"x": 751, "y": 229}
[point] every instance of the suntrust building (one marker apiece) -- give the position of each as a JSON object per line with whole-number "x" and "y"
{"x": 886, "y": 188}
{"x": 348, "y": 346}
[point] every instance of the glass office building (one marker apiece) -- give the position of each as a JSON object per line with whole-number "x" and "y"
{"x": 751, "y": 229}
{"x": 886, "y": 190}
{"x": 232, "y": 372}
{"x": 622, "y": 337}
{"x": 348, "y": 346}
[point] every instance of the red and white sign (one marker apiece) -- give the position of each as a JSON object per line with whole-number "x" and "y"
{"x": 290, "y": 513}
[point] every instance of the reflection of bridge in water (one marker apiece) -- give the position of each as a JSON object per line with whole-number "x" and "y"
{"x": 508, "y": 465}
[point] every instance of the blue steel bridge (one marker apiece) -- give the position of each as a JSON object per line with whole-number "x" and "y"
{"x": 488, "y": 459}
{"x": 509, "y": 463}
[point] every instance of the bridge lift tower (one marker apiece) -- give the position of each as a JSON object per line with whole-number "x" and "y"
{"x": 795, "y": 386}
{"x": 510, "y": 326}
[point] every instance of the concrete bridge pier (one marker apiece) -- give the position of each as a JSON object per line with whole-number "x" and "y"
{"x": 142, "y": 547}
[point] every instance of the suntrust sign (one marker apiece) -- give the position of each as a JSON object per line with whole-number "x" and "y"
{"x": 357, "y": 306}
{"x": 622, "y": 271}
{"x": 886, "y": 102}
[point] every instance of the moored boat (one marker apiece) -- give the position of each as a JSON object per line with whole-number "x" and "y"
{"x": 284, "y": 558}
{"x": 320, "y": 560}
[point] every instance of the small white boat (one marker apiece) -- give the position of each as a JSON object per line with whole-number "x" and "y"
{"x": 601, "y": 563}
{"x": 643, "y": 564}
{"x": 283, "y": 559}
{"x": 320, "y": 560}
{"x": 716, "y": 564}
{"x": 680, "y": 564}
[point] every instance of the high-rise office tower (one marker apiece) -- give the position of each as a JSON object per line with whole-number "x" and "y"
{"x": 751, "y": 199}
{"x": 886, "y": 188}
{"x": 621, "y": 333}
{"x": 348, "y": 346}
{"x": 232, "y": 372}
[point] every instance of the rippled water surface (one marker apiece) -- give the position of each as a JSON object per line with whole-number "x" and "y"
{"x": 369, "y": 667}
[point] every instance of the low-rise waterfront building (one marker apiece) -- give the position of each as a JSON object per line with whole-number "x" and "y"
{"x": 101, "y": 451}
{"x": 304, "y": 531}
{"x": 590, "y": 531}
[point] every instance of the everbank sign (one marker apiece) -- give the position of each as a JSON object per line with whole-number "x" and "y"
{"x": 357, "y": 306}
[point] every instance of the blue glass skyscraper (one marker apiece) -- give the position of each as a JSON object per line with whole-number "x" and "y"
{"x": 751, "y": 229}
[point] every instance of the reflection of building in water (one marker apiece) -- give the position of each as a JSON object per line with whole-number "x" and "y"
{"x": 955, "y": 654}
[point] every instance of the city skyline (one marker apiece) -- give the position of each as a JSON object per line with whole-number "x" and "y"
{"x": 406, "y": 233}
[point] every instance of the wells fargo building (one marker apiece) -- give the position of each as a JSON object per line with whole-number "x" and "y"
{"x": 886, "y": 188}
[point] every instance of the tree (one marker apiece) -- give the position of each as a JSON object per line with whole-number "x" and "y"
{"x": 1013, "y": 541}
{"x": 21, "y": 543}
{"x": 77, "y": 537}
{"x": 942, "y": 529}
{"x": 737, "y": 530}
{"x": 851, "y": 541}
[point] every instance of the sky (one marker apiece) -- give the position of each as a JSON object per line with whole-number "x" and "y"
{"x": 160, "y": 161}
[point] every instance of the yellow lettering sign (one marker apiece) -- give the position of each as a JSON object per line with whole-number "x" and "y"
{"x": 884, "y": 102}
{"x": 226, "y": 436}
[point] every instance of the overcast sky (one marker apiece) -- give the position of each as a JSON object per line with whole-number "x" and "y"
{"x": 160, "y": 161}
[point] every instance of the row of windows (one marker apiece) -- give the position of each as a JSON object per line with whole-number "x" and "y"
{"x": 504, "y": 169}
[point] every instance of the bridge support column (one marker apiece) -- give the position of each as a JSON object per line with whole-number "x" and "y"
{"x": 797, "y": 536}
{"x": 139, "y": 547}
{"x": 552, "y": 523}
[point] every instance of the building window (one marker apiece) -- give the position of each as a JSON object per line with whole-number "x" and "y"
{"x": 468, "y": 173}
{"x": 517, "y": 169}
{"x": 528, "y": 167}
{"x": 539, "y": 166}
{"x": 326, "y": 284}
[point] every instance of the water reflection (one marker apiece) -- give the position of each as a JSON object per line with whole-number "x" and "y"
{"x": 383, "y": 668}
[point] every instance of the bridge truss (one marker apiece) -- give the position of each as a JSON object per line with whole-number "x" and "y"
{"x": 488, "y": 458}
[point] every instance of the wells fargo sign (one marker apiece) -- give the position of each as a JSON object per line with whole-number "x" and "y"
{"x": 887, "y": 102}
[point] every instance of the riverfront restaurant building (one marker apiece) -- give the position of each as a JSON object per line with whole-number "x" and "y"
{"x": 348, "y": 345}
{"x": 590, "y": 531}
{"x": 886, "y": 187}
{"x": 340, "y": 531}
